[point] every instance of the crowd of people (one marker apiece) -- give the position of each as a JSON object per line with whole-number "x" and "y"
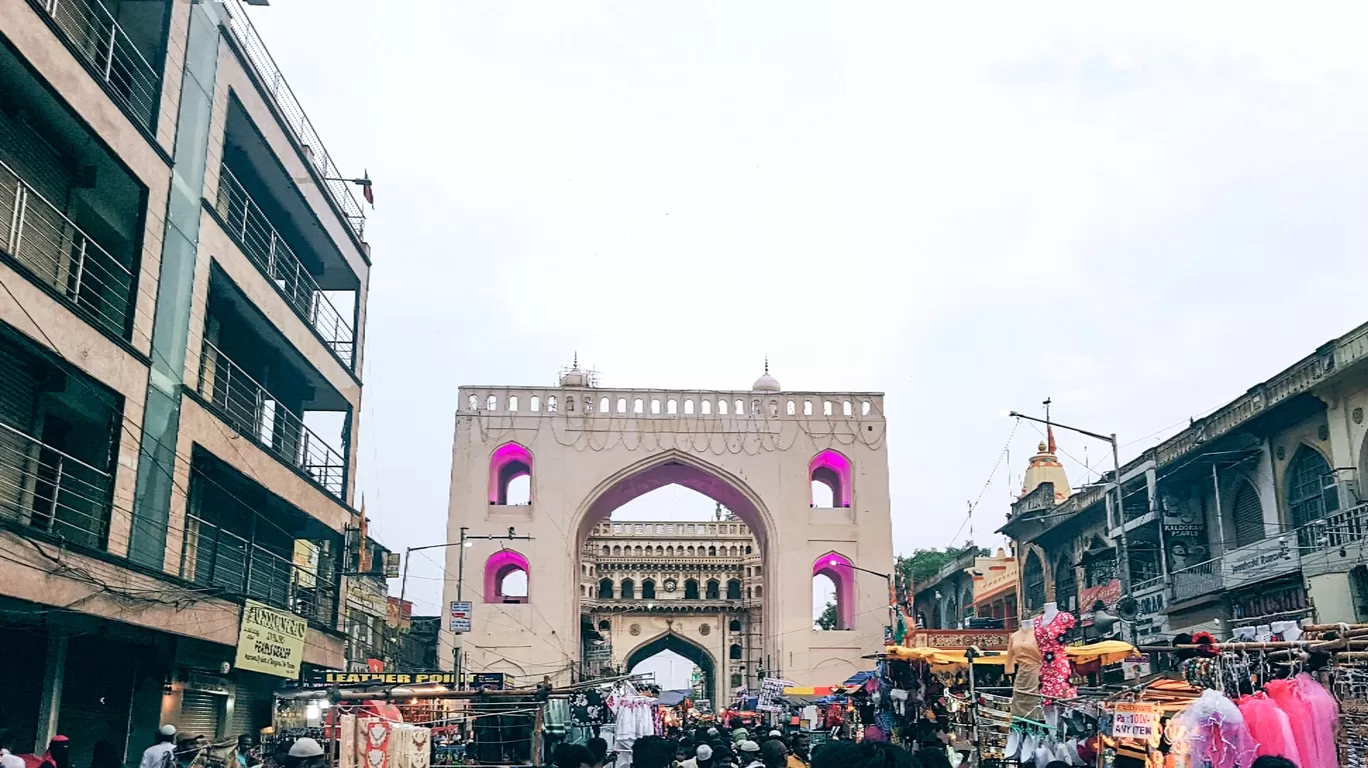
{"x": 711, "y": 747}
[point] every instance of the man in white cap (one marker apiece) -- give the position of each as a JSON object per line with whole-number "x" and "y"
{"x": 703, "y": 758}
{"x": 750, "y": 754}
{"x": 163, "y": 753}
{"x": 306, "y": 753}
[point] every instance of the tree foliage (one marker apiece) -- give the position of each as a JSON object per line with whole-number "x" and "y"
{"x": 828, "y": 618}
{"x": 923, "y": 564}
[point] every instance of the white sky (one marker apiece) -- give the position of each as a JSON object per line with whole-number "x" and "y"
{"x": 1140, "y": 212}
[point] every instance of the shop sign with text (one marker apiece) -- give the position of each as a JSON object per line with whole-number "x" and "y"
{"x": 415, "y": 677}
{"x": 270, "y": 641}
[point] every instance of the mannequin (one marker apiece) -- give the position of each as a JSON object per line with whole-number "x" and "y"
{"x": 1023, "y": 658}
{"x": 1048, "y": 614}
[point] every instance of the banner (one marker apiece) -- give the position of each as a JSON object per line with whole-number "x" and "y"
{"x": 1088, "y": 597}
{"x": 411, "y": 677}
{"x": 270, "y": 641}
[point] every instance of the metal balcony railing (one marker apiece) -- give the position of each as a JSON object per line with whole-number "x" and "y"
{"x": 1200, "y": 579}
{"x": 274, "y": 259}
{"x": 293, "y": 113}
{"x": 55, "y": 252}
{"x": 91, "y": 30}
{"x": 52, "y": 491}
{"x": 256, "y": 413}
{"x": 215, "y": 557}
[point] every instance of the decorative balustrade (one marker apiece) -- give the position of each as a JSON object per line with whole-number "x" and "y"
{"x": 674, "y": 404}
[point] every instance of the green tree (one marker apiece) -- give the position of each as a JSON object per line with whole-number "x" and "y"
{"x": 923, "y": 564}
{"x": 828, "y": 618}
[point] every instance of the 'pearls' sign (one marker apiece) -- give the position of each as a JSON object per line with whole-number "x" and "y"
{"x": 271, "y": 641}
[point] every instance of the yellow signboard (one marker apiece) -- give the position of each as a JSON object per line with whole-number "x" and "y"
{"x": 270, "y": 641}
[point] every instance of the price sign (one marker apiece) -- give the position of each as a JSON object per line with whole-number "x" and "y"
{"x": 1136, "y": 721}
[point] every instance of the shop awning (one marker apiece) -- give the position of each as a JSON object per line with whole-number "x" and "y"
{"x": 808, "y": 690}
{"x": 1107, "y": 652}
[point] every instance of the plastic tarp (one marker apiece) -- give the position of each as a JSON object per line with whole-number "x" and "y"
{"x": 673, "y": 698}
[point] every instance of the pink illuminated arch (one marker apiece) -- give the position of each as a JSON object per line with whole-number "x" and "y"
{"x": 497, "y": 568}
{"x": 841, "y": 571}
{"x": 832, "y": 470}
{"x": 508, "y": 462}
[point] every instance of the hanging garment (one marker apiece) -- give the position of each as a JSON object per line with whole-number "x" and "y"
{"x": 1324, "y": 721}
{"x": 1023, "y": 655}
{"x": 1212, "y": 730}
{"x": 1299, "y": 715}
{"x": 346, "y": 741}
{"x": 1054, "y": 663}
{"x": 1269, "y": 726}
{"x": 409, "y": 746}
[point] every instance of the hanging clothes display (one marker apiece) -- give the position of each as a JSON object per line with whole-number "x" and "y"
{"x": 1324, "y": 721}
{"x": 635, "y": 718}
{"x": 1054, "y": 663}
{"x": 1023, "y": 656}
{"x": 1212, "y": 731}
{"x": 1300, "y": 716}
{"x": 1270, "y": 727}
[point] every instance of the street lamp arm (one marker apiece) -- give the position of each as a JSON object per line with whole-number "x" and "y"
{"x": 1104, "y": 438}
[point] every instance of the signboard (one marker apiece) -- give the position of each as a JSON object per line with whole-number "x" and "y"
{"x": 412, "y": 677}
{"x": 1136, "y": 666}
{"x": 392, "y": 565}
{"x": 1185, "y": 536}
{"x": 270, "y": 641}
{"x": 367, "y": 596}
{"x": 306, "y": 563}
{"x": 1108, "y": 594}
{"x": 460, "y": 615}
{"x": 398, "y": 614}
{"x": 985, "y": 639}
{"x": 1261, "y": 560}
{"x": 493, "y": 680}
{"x": 1139, "y": 721}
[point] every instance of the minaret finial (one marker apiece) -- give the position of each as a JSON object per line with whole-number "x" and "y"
{"x": 766, "y": 362}
{"x": 576, "y": 363}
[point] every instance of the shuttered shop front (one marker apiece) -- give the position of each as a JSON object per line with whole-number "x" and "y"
{"x": 253, "y": 702}
{"x": 201, "y": 713}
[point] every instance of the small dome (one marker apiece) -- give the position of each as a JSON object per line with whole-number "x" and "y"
{"x": 766, "y": 382}
{"x": 574, "y": 378}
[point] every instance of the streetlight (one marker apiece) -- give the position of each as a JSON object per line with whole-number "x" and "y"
{"x": 465, "y": 542}
{"x": 837, "y": 563}
{"x": 1122, "y": 551}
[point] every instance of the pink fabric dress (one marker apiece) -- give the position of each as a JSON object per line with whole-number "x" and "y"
{"x": 1303, "y": 728}
{"x": 1211, "y": 731}
{"x": 1324, "y": 721}
{"x": 1269, "y": 726}
{"x": 1054, "y": 667}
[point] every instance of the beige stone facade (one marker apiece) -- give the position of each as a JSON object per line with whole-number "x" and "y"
{"x": 589, "y": 450}
{"x": 694, "y": 587}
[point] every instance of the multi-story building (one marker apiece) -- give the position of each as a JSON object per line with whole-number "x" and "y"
{"x": 672, "y": 580}
{"x": 1251, "y": 515}
{"x": 182, "y": 296}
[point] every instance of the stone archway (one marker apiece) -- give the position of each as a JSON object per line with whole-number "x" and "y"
{"x": 671, "y": 641}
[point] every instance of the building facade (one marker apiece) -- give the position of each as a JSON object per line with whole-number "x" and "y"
{"x": 697, "y": 586}
{"x": 588, "y": 450}
{"x": 182, "y": 305}
{"x": 1253, "y": 514}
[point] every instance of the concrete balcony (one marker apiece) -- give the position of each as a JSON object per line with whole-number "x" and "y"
{"x": 91, "y": 32}
{"x": 58, "y": 254}
{"x": 259, "y": 415}
{"x": 52, "y": 491}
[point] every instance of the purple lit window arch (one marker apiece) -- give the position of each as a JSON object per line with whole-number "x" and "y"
{"x": 832, "y": 469}
{"x": 510, "y": 461}
{"x": 841, "y": 571}
{"x": 497, "y": 568}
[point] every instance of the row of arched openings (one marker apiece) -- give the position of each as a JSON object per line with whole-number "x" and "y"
{"x": 712, "y": 590}
{"x": 674, "y": 406}
{"x": 510, "y": 478}
{"x": 672, "y": 551}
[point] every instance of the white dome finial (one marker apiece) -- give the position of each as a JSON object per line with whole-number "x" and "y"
{"x": 766, "y": 382}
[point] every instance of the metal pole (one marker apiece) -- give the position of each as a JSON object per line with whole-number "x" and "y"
{"x": 1122, "y": 552}
{"x": 1220, "y": 512}
{"x": 460, "y": 584}
{"x": 403, "y": 582}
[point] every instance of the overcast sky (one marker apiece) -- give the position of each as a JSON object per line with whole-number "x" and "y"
{"x": 1139, "y": 212}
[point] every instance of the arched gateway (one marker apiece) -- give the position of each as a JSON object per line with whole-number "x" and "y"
{"x": 736, "y": 591}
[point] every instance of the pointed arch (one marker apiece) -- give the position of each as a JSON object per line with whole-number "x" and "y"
{"x": 1309, "y": 487}
{"x": 499, "y": 567}
{"x": 841, "y": 571}
{"x": 833, "y": 470}
{"x": 671, "y": 641}
{"x": 1247, "y": 514}
{"x": 507, "y": 462}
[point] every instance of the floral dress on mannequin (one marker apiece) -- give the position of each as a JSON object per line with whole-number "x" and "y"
{"x": 1054, "y": 663}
